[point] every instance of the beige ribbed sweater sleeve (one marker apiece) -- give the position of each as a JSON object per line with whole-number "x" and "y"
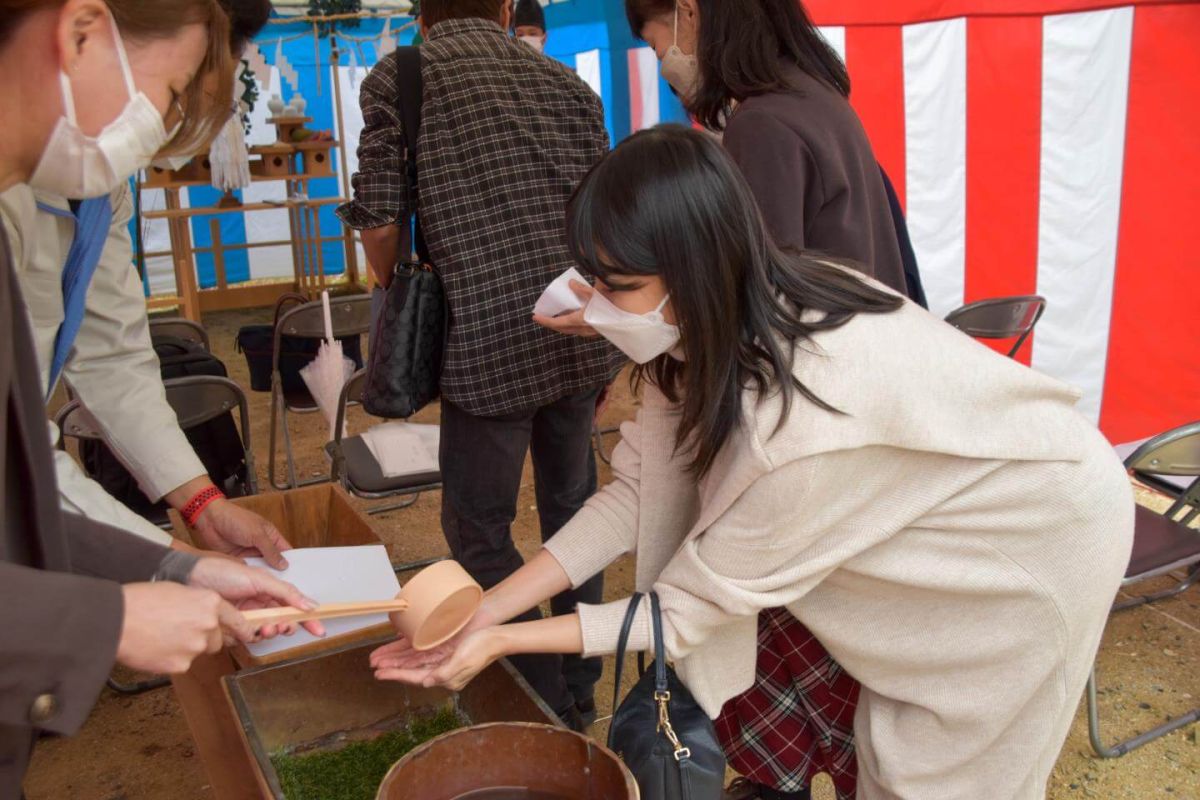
{"x": 606, "y": 527}
{"x": 751, "y": 558}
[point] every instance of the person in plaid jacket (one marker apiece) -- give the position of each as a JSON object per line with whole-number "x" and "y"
{"x": 506, "y": 135}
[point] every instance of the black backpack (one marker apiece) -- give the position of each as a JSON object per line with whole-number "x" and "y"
{"x": 216, "y": 442}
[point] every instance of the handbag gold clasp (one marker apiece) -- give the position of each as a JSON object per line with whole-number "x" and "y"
{"x": 663, "y": 700}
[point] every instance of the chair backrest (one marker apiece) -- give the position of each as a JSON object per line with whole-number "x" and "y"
{"x": 180, "y": 328}
{"x": 1176, "y": 452}
{"x": 76, "y": 422}
{"x": 351, "y": 393}
{"x": 350, "y": 316}
{"x": 1000, "y": 318}
{"x": 196, "y": 399}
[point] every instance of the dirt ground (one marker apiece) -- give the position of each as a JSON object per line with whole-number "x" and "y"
{"x": 138, "y": 748}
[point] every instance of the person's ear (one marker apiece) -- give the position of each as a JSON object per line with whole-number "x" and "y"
{"x": 688, "y": 9}
{"x": 423, "y": 27}
{"x": 506, "y": 15}
{"x": 80, "y": 24}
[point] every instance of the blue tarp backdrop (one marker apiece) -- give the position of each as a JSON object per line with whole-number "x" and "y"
{"x": 591, "y": 36}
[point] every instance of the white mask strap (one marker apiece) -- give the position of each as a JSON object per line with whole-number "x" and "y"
{"x": 676, "y": 42}
{"x": 663, "y": 304}
{"x": 68, "y": 96}
{"x": 123, "y": 58}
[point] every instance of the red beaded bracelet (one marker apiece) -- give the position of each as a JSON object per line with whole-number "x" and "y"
{"x": 200, "y": 501}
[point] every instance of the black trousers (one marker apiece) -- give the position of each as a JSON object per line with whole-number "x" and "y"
{"x": 482, "y": 459}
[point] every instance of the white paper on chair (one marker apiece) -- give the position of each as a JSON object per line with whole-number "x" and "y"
{"x": 404, "y": 448}
{"x": 333, "y": 575}
{"x": 558, "y": 297}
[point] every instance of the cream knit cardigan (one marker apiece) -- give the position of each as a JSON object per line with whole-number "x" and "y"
{"x": 954, "y": 540}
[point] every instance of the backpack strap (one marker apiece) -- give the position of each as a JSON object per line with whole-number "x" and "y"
{"x": 411, "y": 96}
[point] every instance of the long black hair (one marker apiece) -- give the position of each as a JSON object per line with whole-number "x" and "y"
{"x": 743, "y": 48}
{"x": 669, "y": 202}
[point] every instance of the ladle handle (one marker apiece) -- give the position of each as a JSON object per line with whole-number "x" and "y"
{"x": 284, "y": 614}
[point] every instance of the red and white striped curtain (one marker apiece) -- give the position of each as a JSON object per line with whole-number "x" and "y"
{"x": 1052, "y": 148}
{"x": 1048, "y": 147}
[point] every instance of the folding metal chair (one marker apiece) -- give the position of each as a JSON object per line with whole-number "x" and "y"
{"x": 1162, "y": 544}
{"x": 181, "y": 329}
{"x": 355, "y": 468}
{"x": 196, "y": 399}
{"x": 598, "y": 435}
{"x": 1170, "y": 485}
{"x": 1000, "y": 318}
{"x": 351, "y": 316}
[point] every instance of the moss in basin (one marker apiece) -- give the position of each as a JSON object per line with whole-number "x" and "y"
{"x": 354, "y": 772}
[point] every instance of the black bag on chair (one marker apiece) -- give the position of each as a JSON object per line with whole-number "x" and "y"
{"x": 405, "y": 366}
{"x": 661, "y": 733}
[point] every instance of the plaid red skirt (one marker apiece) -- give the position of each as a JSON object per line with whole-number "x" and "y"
{"x": 797, "y": 720}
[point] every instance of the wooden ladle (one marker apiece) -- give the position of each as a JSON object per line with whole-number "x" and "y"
{"x": 282, "y": 615}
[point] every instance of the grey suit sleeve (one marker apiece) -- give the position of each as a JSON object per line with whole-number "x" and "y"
{"x": 61, "y": 630}
{"x": 60, "y": 639}
{"x": 101, "y": 551}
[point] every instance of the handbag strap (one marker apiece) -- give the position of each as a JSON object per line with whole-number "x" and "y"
{"x": 622, "y": 644}
{"x": 284, "y": 300}
{"x": 660, "y": 656}
{"x": 411, "y": 86}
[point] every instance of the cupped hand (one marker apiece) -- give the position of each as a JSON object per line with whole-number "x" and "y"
{"x": 571, "y": 324}
{"x": 400, "y": 655}
{"x": 450, "y": 666}
{"x": 233, "y": 530}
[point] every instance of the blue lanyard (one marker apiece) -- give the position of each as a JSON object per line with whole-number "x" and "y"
{"x": 92, "y": 221}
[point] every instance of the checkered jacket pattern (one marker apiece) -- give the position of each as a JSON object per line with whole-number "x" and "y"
{"x": 506, "y": 136}
{"x": 797, "y": 720}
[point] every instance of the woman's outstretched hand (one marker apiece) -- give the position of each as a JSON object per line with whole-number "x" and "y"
{"x": 452, "y": 665}
{"x": 400, "y": 661}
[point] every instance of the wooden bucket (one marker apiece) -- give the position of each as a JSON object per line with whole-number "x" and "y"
{"x": 510, "y": 760}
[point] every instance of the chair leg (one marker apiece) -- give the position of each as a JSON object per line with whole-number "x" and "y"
{"x": 276, "y": 400}
{"x": 138, "y": 687}
{"x": 1193, "y": 577}
{"x": 411, "y": 566}
{"x": 394, "y": 506}
{"x": 598, "y": 434}
{"x": 287, "y": 449}
{"x": 1121, "y": 748}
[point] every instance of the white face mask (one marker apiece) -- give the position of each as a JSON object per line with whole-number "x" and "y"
{"x": 79, "y": 166}
{"x": 679, "y": 70}
{"x": 533, "y": 41}
{"x": 642, "y": 337}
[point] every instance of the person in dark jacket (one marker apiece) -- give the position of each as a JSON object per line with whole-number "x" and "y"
{"x": 761, "y": 73}
{"x": 529, "y": 24}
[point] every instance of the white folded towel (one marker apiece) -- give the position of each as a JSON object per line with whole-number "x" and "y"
{"x": 558, "y": 297}
{"x": 404, "y": 448}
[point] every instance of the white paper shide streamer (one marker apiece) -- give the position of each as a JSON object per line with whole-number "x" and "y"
{"x": 387, "y": 43}
{"x": 228, "y": 156}
{"x": 286, "y": 71}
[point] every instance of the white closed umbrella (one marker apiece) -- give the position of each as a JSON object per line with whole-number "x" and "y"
{"x": 326, "y": 374}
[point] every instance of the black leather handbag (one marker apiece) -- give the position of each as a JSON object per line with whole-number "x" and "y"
{"x": 405, "y": 365}
{"x": 661, "y": 733}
